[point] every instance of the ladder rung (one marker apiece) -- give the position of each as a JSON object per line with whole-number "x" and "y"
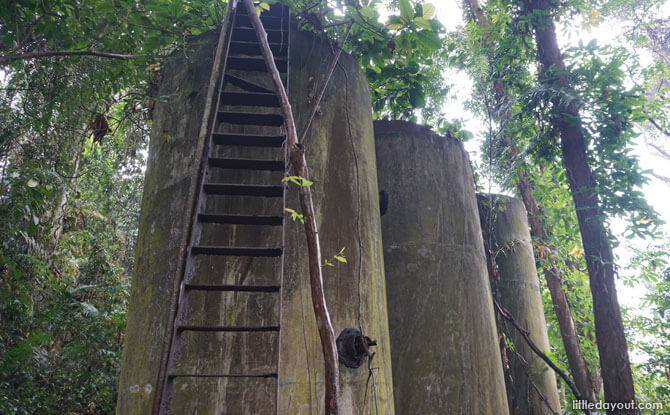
{"x": 274, "y": 10}
{"x": 255, "y": 64}
{"x": 233, "y": 329}
{"x": 246, "y": 164}
{"x": 269, "y": 22}
{"x": 249, "y": 35}
{"x": 235, "y": 288}
{"x": 236, "y": 251}
{"x": 223, "y": 375}
{"x": 248, "y": 140}
{"x": 254, "y": 49}
{"x": 251, "y": 118}
{"x": 251, "y": 99}
{"x": 246, "y": 85}
{"x": 243, "y": 190}
{"x": 240, "y": 219}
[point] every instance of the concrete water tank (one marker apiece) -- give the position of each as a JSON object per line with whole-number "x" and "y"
{"x": 341, "y": 157}
{"x": 531, "y": 384}
{"x": 443, "y": 340}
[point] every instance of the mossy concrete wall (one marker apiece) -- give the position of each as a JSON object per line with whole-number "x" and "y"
{"x": 171, "y": 166}
{"x": 505, "y": 227}
{"x": 341, "y": 156}
{"x": 443, "y": 339}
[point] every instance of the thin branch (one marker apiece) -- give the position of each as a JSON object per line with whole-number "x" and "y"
{"x": 307, "y": 9}
{"x": 349, "y": 22}
{"x": 660, "y": 177}
{"x": 660, "y": 128}
{"x": 299, "y": 163}
{"x": 526, "y": 336}
{"x": 660, "y": 151}
{"x": 531, "y": 382}
{"x": 5, "y": 59}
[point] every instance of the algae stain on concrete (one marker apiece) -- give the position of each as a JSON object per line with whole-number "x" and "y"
{"x": 168, "y": 177}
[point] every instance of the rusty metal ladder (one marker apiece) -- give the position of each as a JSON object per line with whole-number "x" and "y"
{"x": 240, "y": 54}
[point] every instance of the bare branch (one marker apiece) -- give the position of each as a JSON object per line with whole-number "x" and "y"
{"x": 660, "y": 151}
{"x": 297, "y": 158}
{"x": 660, "y": 128}
{"x": 526, "y": 336}
{"x": 6, "y": 59}
{"x": 661, "y": 177}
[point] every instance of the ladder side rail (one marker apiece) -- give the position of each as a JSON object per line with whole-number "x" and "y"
{"x": 162, "y": 399}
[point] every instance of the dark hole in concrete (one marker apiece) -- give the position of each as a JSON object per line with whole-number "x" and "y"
{"x": 353, "y": 347}
{"x": 383, "y": 202}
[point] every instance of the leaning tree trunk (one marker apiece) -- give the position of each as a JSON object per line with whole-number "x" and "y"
{"x": 553, "y": 276}
{"x": 614, "y": 362}
{"x": 299, "y": 164}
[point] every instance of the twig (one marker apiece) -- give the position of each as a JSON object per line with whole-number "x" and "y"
{"x": 658, "y": 127}
{"x": 349, "y": 22}
{"x": 526, "y": 336}
{"x": 299, "y": 163}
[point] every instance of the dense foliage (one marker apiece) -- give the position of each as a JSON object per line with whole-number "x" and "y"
{"x": 74, "y": 129}
{"x": 611, "y": 91}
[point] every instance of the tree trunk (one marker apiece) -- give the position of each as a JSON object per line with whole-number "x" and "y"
{"x": 553, "y": 276}
{"x": 58, "y": 218}
{"x": 614, "y": 362}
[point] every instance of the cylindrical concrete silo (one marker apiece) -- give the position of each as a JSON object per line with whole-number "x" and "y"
{"x": 443, "y": 339}
{"x": 531, "y": 384}
{"x": 341, "y": 157}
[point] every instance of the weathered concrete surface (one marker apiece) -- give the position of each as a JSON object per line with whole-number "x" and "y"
{"x": 340, "y": 153}
{"x": 505, "y": 227}
{"x": 341, "y": 157}
{"x": 170, "y": 168}
{"x": 443, "y": 339}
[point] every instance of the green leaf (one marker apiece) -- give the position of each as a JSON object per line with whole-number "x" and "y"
{"x": 295, "y": 215}
{"x": 300, "y": 181}
{"x": 428, "y": 10}
{"x": 368, "y": 12}
{"x": 89, "y": 309}
{"x": 340, "y": 258}
{"x": 406, "y": 10}
{"x": 429, "y": 39}
{"x": 395, "y": 26}
{"x": 423, "y": 23}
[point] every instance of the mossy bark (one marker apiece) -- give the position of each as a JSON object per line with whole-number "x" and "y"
{"x": 443, "y": 339}
{"x": 531, "y": 384}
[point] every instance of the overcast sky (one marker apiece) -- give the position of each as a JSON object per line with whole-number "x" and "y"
{"x": 449, "y": 12}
